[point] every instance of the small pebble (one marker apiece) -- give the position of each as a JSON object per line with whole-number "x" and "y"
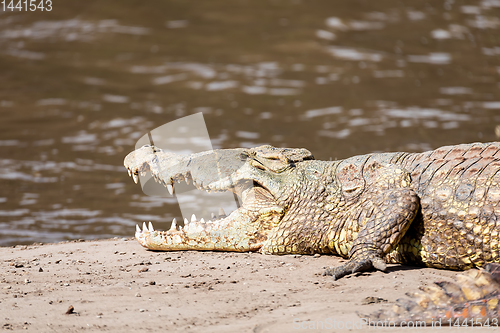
{"x": 70, "y": 310}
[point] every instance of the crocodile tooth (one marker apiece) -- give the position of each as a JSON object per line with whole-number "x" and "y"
{"x": 137, "y": 228}
{"x": 129, "y": 172}
{"x": 213, "y": 216}
{"x": 221, "y": 212}
{"x": 187, "y": 180}
{"x": 202, "y": 220}
{"x": 186, "y": 222}
{"x": 170, "y": 189}
{"x": 193, "y": 218}
{"x": 136, "y": 177}
{"x": 151, "y": 226}
{"x": 223, "y": 184}
{"x": 144, "y": 226}
{"x": 174, "y": 224}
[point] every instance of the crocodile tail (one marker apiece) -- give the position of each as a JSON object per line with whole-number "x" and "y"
{"x": 473, "y": 300}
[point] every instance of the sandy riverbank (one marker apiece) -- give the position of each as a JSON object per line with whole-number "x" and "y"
{"x": 116, "y": 285}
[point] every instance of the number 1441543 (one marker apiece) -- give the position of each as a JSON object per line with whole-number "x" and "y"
{"x": 26, "y": 5}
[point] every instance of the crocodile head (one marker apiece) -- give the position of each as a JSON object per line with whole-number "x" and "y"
{"x": 263, "y": 178}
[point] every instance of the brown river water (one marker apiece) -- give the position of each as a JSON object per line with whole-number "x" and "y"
{"x": 79, "y": 85}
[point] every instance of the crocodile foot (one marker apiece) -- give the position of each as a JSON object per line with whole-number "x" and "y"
{"x": 355, "y": 266}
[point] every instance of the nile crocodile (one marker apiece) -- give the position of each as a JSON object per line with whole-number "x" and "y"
{"x": 436, "y": 209}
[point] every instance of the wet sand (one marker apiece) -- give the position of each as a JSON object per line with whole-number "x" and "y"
{"x": 116, "y": 285}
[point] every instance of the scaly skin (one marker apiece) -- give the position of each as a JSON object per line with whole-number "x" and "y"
{"x": 435, "y": 209}
{"x": 472, "y": 301}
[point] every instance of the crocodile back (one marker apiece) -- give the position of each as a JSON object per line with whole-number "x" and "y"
{"x": 464, "y": 162}
{"x": 459, "y": 190}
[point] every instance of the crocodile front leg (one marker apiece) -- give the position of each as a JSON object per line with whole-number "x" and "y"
{"x": 395, "y": 211}
{"x": 382, "y": 211}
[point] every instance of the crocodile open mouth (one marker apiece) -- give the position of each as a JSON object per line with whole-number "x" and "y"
{"x": 254, "y": 198}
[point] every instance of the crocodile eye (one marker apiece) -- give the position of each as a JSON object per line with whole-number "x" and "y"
{"x": 258, "y": 166}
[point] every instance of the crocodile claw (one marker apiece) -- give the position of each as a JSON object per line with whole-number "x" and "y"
{"x": 356, "y": 266}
